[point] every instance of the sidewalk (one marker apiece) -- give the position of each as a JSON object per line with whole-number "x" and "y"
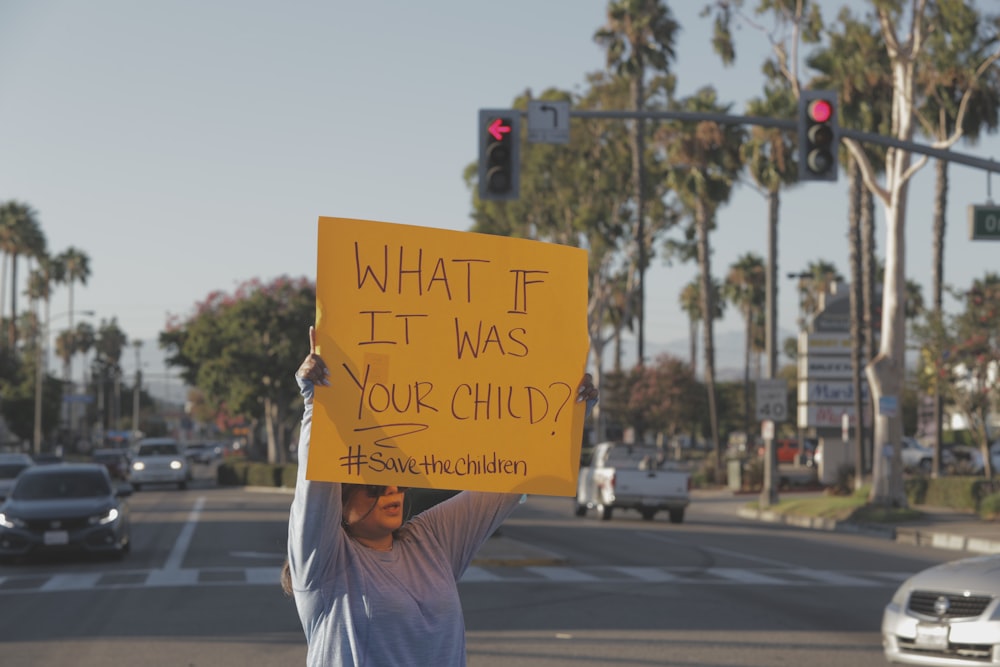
{"x": 939, "y": 528}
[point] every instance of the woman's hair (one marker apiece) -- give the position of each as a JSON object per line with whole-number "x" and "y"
{"x": 346, "y": 490}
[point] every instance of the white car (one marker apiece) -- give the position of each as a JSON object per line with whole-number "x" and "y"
{"x": 159, "y": 461}
{"x": 946, "y": 616}
{"x": 915, "y": 456}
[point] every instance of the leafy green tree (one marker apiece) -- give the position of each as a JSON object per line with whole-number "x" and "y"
{"x": 241, "y": 350}
{"x": 960, "y": 358}
{"x": 662, "y": 396}
{"x": 958, "y": 51}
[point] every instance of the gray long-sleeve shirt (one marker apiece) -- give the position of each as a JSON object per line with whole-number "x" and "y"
{"x": 362, "y": 607}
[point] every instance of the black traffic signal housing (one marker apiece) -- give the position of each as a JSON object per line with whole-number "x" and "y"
{"x": 499, "y": 154}
{"x": 818, "y": 135}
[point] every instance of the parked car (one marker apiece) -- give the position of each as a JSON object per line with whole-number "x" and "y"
{"x": 916, "y": 457}
{"x": 947, "y": 615}
{"x": 995, "y": 456}
{"x": 622, "y": 476}
{"x": 787, "y": 450}
{"x": 203, "y": 452}
{"x": 114, "y": 460}
{"x": 963, "y": 460}
{"x": 67, "y": 506}
{"x": 11, "y": 466}
{"x": 159, "y": 461}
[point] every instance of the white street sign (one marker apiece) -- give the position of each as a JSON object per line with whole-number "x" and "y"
{"x": 548, "y": 122}
{"x": 772, "y": 400}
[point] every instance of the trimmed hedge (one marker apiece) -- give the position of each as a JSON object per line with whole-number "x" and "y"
{"x": 256, "y": 473}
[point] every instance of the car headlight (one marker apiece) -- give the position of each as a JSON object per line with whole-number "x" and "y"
{"x": 8, "y": 521}
{"x": 108, "y": 517}
{"x": 176, "y": 465}
{"x": 138, "y": 465}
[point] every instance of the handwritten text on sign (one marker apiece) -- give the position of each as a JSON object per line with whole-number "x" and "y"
{"x": 454, "y": 359}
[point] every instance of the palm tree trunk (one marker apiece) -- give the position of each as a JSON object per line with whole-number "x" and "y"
{"x": 747, "y": 352}
{"x": 857, "y": 321}
{"x": 871, "y": 321}
{"x": 708, "y": 312}
{"x": 12, "y": 325}
{"x": 771, "y": 284}
{"x": 638, "y": 149}
{"x": 937, "y": 285}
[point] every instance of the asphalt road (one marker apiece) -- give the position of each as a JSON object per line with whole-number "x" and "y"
{"x": 201, "y": 588}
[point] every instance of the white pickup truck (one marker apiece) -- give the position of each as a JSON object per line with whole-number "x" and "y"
{"x": 633, "y": 477}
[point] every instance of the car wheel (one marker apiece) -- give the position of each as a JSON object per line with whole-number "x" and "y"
{"x": 677, "y": 515}
{"x": 925, "y": 466}
{"x": 604, "y": 512}
{"x": 648, "y": 514}
{"x": 580, "y": 509}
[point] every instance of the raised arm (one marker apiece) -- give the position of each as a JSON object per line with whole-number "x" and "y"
{"x": 315, "y": 539}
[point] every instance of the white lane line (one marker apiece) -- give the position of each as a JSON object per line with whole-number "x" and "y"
{"x": 555, "y": 573}
{"x": 175, "y": 577}
{"x": 71, "y": 582}
{"x": 745, "y": 576}
{"x": 650, "y": 574}
{"x": 176, "y": 556}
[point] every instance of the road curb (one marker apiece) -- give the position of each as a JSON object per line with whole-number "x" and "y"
{"x": 903, "y": 535}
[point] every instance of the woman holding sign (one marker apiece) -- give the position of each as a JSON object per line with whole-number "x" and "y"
{"x": 369, "y": 589}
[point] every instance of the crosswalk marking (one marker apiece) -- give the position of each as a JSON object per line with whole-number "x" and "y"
{"x": 559, "y": 575}
{"x": 650, "y": 574}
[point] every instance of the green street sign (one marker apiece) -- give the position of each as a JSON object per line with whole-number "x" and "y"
{"x": 984, "y": 223}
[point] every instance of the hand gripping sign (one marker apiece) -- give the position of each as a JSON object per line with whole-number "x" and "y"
{"x": 454, "y": 359}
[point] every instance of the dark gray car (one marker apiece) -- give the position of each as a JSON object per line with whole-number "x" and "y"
{"x": 65, "y": 507}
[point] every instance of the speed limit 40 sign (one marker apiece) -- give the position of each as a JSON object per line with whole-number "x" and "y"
{"x": 772, "y": 400}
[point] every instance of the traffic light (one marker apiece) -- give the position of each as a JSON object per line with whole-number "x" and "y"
{"x": 499, "y": 154}
{"x": 818, "y": 135}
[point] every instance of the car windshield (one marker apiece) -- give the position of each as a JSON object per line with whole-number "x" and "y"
{"x": 11, "y": 470}
{"x": 54, "y": 485}
{"x": 158, "y": 450}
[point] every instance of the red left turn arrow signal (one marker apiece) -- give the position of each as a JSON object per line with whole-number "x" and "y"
{"x": 498, "y": 129}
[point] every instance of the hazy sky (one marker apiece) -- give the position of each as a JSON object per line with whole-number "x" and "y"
{"x": 189, "y": 146}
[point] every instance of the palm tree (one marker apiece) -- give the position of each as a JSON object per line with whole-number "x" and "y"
{"x": 958, "y": 52}
{"x": 690, "y": 298}
{"x": 706, "y": 159}
{"x": 745, "y": 288}
{"x": 638, "y": 36}
{"x": 814, "y": 283}
{"x": 20, "y": 235}
{"x": 768, "y": 157}
{"x": 76, "y": 269}
{"x": 855, "y": 64}
{"x": 76, "y": 265}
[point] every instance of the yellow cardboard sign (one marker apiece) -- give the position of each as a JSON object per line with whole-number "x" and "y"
{"x": 455, "y": 359}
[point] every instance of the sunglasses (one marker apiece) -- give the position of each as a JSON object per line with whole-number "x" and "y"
{"x": 378, "y": 490}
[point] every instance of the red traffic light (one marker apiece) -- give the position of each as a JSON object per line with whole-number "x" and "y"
{"x": 820, "y": 111}
{"x": 498, "y": 129}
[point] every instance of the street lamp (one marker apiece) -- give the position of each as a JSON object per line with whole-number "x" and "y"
{"x": 41, "y": 367}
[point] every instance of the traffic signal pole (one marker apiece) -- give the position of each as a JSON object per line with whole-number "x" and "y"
{"x": 806, "y": 116}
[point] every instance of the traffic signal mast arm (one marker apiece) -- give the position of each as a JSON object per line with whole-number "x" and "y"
{"x": 790, "y": 124}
